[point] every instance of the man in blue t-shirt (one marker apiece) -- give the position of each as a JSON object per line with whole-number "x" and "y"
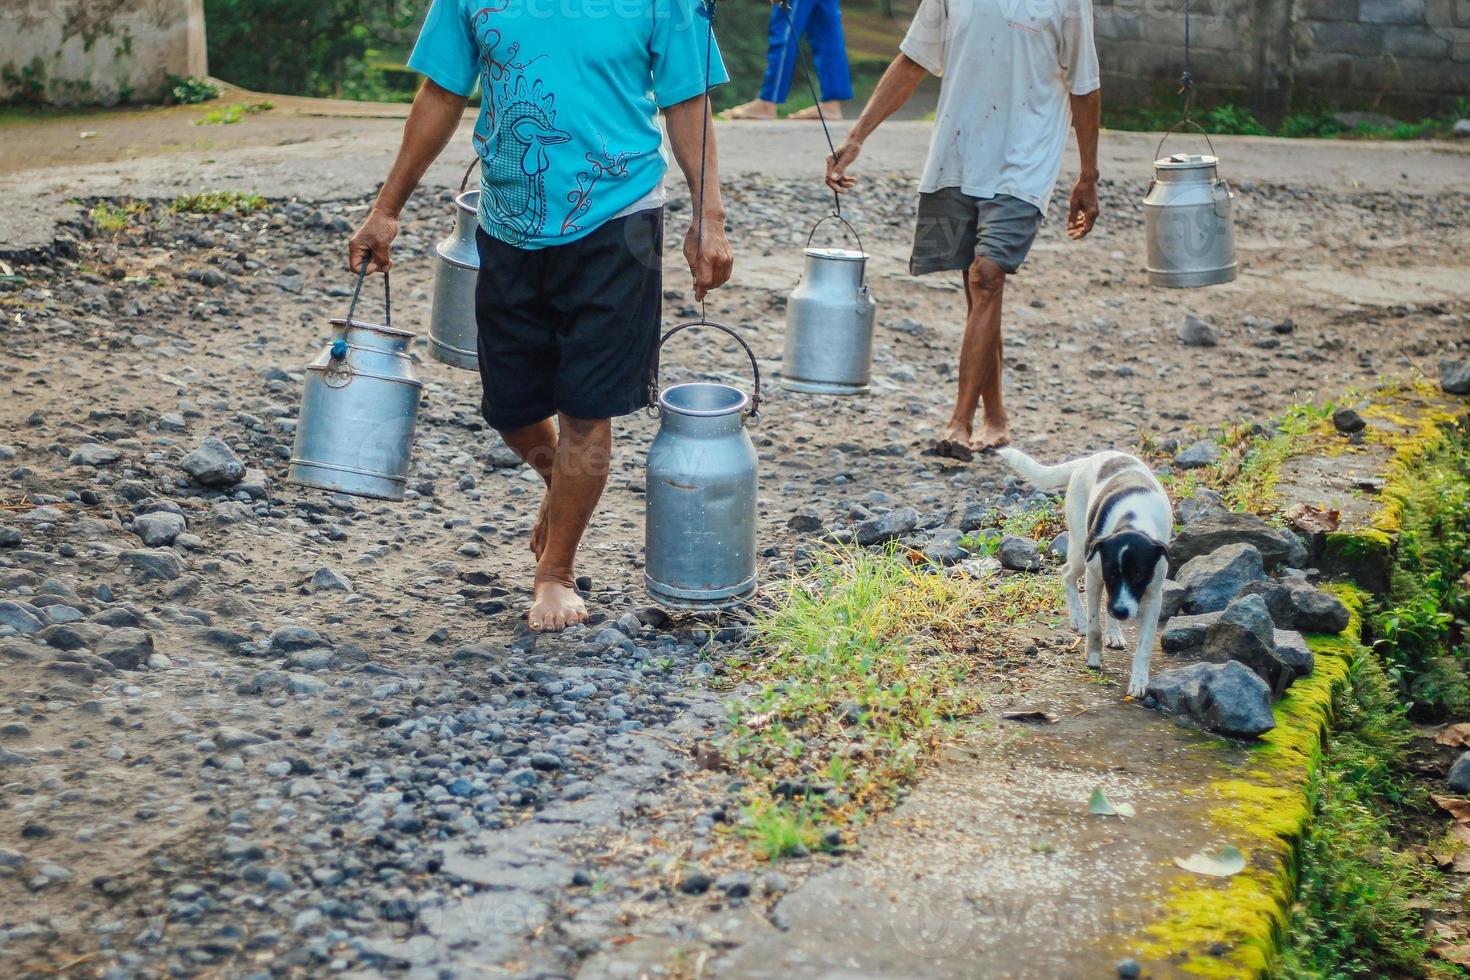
{"x": 571, "y": 223}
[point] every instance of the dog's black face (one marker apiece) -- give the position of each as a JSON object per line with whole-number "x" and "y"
{"x": 1129, "y": 560}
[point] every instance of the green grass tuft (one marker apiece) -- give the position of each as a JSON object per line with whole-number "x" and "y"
{"x": 213, "y": 202}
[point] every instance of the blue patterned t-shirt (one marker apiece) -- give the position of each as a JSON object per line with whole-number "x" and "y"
{"x": 568, "y": 133}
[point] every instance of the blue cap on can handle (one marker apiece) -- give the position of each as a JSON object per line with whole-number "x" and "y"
{"x": 339, "y": 349}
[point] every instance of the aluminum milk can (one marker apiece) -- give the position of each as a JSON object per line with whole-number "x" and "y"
{"x": 453, "y": 335}
{"x": 358, "y": 411}
{"x": 1188, "y": 222}
{"x": 699, "y": 537}
{"x": 829, "y": 323}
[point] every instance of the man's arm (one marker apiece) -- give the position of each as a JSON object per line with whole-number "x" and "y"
{"x": 691, "y": 134}
{"x": 895, "y": 88}
{"x": 1086, "y": 120}
{"x": 431, "y": 124}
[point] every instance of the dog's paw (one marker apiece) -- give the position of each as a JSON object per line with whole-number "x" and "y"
{"x": 1138, "y": 688}
{"x": 1115, "y": 637}
{"x": 1094, "y": 657}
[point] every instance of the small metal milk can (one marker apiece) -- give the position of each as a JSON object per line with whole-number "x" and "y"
{"x": 829, "y": 322}
{"x": 1188, "y": 221}
{"x": 699, "y": 538}
{"x": 358, "y": 411}
{"x": 453, "y": 335}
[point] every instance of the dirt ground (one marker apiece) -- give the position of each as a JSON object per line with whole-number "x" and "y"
{"x": 293, "y": 779}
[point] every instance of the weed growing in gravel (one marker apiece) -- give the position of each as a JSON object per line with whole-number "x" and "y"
{"x": 228, "y": 115}
{"x": 213, "y": 202}
{"x": 1251, "y": 458}
{"x": 114, "y": 218}
{"x": 860, "y": 669}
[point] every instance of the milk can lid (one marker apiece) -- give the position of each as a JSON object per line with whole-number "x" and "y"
{"x": 840, "y": 254}
{"x": 1187, "y": 161}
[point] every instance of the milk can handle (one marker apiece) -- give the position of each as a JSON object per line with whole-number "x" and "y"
{"x": 755, "y": 401}
{"x": 465, "y": 180}
{"x": 850, "y": 228}
{"x": 387, "y": 296}
{"x": 1174, "y": 128}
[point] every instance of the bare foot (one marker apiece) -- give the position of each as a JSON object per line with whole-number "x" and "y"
{"x": 538, "y": 532}
{"x": 956, "y": 443}
{"x": 992, "y": 436}
{"x": 830, "y": 111}
{"x": 555, "y": 607}
{"x": 755, "y": 109}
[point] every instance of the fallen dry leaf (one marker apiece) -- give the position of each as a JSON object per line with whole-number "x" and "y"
{"x": 1313, "y": 520}
{"x": 1457, "y": 807}
{"x": 1031, "y": 714}
{"x": 1454, "y": 736}
{"x": 707, "y": 757}
{"x": 1454, "y": 953}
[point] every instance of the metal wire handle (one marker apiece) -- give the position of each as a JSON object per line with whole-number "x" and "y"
{"x": 753, "y": 412}
{"x": 465, "y": 180}
{"x": 1186, "y": 121}
{"x": 863, "y": 281}
{"x": 387, "y": 295}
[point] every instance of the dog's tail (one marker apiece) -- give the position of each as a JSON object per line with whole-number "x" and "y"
{"x": 1039, "y": 476}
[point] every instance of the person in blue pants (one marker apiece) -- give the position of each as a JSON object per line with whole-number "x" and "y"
{"x": 821, "y": 22}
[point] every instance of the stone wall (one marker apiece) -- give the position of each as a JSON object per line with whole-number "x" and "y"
{"x": 1410, "y": 58}
{"x": 97, "y": 52}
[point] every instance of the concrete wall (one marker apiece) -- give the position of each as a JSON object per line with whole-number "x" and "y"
{"x": 1409, "y": 58}
{"x": 97, "y": 52}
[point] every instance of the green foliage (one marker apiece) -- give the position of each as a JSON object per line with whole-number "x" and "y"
{"x": 27, "y": 83}
{"x": 114, "y": 218}
{"x": 228, "y": 115}
{"x": 213, "y": 202}
{"x": 860, "y": 671}
{"x": 1359, "y": 899}
{"x": 191, "y": 90}
{"x": 1421, "y": 627}
{"x": 1230, "y": 118}
{"x": 285, "y": 45}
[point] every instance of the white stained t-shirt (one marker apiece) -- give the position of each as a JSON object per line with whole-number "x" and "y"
{"x": 1006, "y": 69}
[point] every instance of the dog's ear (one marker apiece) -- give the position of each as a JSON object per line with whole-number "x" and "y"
{"x": 1094, "y": 546}
{"x": 1161, "y": 550}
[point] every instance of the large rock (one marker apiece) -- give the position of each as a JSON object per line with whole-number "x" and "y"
{"x": 1227, "y": 698}
{"x": 94, "y": 454}
{"x": 159, "y": 528}
{"x": 214, "y": 464}
{"x": 1182, "y": 634}
{"x": 1207, "y": 533}
{"x": 886, "y": 527}
{"x": 1454, "y": 377}
{"x": 149, "y": 566}
{"x": 1206, "y": 452}
{"x": 1211, "y": 581}
{"x": 1293, "y": 649}
{"x": 1317, "y": 611}
{"x": 1245, "y": 634}
{"x": 19, "y": 618}
{"x": 1459, "y": 777}
{"x": 1019, "y": 554}
{"x": 1194, "y": 332}
{"x": 126, "y": 649}
{"x": 1172, "y": 599}
{"x": 1277, "y": 596}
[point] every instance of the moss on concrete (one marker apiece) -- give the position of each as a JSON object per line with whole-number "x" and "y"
{"x": 1237, "y": 927}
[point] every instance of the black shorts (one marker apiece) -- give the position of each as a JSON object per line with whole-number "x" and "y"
{"x": 570, "y": 328}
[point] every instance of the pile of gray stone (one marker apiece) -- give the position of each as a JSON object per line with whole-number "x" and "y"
{"x": 1239, "y": 600}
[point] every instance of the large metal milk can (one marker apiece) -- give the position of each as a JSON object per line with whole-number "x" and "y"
{"x": 699, "y": 538}
{"x": 453, "y": 335}
{"x": 1188, "y": 221}
{"x": 829, "y": 322}
{"x": 359, "y": 409}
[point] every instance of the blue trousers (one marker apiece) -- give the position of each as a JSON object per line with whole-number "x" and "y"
{"x": 821, "y": 22}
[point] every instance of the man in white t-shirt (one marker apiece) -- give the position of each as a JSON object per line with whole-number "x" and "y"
{"x": 1013, "y": 74}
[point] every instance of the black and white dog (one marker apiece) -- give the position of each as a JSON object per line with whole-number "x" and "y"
{"x": 1119, "y": 524}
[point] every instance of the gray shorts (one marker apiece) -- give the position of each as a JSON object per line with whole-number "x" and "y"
{"x": 954, "y": 229}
